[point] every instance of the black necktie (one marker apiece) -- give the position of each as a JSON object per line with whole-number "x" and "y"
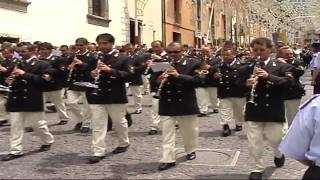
{"x": 262, "y": 65}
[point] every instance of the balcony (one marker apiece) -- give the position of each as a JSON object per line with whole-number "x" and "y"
{"x": 15, "y": 5}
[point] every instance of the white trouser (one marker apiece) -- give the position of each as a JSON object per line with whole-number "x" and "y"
{"x": 100, "y": 114}
{"x": 82, "y": 114}
{"x": 56, "y": 98}
{"x": 36, "y": 121}
{"x": 260, "y": 132}
{"x": 4, "y": 115}
{"x": 292, "y": 107}
{"x": 202, "y": 99}
{"x": 155, "y": 115}
{"x": 213, "y": 97}
{"x": 146, "y": 84}
{"x": 137, "y": 96}
{"x": 189, "y": 128}
{"x": 232, "y": 108}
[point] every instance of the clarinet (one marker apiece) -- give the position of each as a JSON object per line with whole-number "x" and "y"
{"x": 255, "y": 77}
{"x": 100, "y": 57}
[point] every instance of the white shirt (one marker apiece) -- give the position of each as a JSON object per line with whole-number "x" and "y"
{"x": 315, "y": 62}
{"x": 302, "y": 141}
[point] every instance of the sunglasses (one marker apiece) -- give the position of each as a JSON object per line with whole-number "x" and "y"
{"x": 173, "y": 52}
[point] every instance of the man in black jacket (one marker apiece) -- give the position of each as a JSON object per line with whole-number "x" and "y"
{"x": 296, "y": 90}
{"x": 109, "y": 98}
{"x": 178, "y": 103}
{"x": 59, "y": 72}
{"x": 25, "y": 101}
{"x": 79, "y": 68}
{"x": 265, "y": 110}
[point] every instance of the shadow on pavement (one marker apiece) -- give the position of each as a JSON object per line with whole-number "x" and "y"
{"x": 130, "y": 170}
{"x": 222, "y": 176}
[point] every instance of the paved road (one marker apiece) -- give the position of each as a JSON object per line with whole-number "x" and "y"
{"x": 69, "y": 154}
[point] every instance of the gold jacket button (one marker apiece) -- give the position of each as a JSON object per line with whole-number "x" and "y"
{"x": 267, "y": 95}
{"x": 109, "y": 90}
{"x": 168, "y": 92}
{"x": 169, "y": 100}
{"x": 25, "y": 90}
{"x": 180, "y": 100}
{"x": 25, "y": 97}
{"x": 228, "y": 88}
{"x": 255, "y": 104}
{"x": 267, "y": 105}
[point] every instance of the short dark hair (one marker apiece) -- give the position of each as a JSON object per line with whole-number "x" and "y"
{"x": 261, "y": 41}
{"x": 82, "y": 40}
{"x": 105, "y": 36}
{"x": 64, "y": 46}
{"x": 158, "y": 41}
{"x": 45, "y": 45}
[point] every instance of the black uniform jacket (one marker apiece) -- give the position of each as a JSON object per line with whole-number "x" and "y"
{"x": 58, "y": 72}
{"x": 26, "y": 90}
{"x": 177, "y": 97}
{"x": 233, "y": 79}
{"x": 112, "y": 89}
{"x": 208, "y": 80}
{"x": 136, "y": 65}
{"x": 268, "y": 103}
{"x": 81, "y": 73}
{"x": 296, "y": 89}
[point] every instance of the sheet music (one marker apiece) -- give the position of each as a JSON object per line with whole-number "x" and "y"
{"x": 161, "y": 66}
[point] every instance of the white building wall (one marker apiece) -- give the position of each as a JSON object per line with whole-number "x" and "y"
{"x": 61, "y": 22}
{"x": 152, "y": 20}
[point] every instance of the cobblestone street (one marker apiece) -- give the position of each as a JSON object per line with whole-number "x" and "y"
{"x": 219, "y": 158}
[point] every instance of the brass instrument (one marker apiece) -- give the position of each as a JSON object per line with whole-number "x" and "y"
{"x": 255, "y": 77}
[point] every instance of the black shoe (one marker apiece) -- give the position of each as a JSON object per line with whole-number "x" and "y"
{"x": 138, "y": 111}
{"x": 238, "y": 128}
{"x": 2, "y": 123}
{"x": 191, "y": 156}
{"x": 226, "y": 130}
{"x": 202, "y": 115}
{"x": 28, "y": 129}
{"x": 85, "y": 130}
{"x": 215, "y": 111}
{"x": 153, "y": 132}
{"x": 95, "y": 159}
{"x": 78, "y": 126}
{"x": 51, "y": 109}
{"x": 165, "y": 166}
{"x": 255, "y": 176}
{"x": 10, "y": 157}
{"x": 119, "y": 150}
{"x": 177, "y": 126}
{"x": 63, "y": 122}
{"x": 45, "y": 147}
{"x": 279, "y": 162}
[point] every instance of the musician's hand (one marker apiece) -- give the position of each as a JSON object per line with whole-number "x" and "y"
{"x": 250, "y": 82}
{"x": 281, "y": 60}
{"x": 18, "y": 72}
{"x": 3, "y": 69}
{"x": 206, "y": 67}
{"x": 262, "y": 73}
{"x": 173, "y": 73}
{"x": 77, "y": 61}
{"x": 94, "y": 73}
{"x": 104, "y": 68}
{"x": 217, "y": 75}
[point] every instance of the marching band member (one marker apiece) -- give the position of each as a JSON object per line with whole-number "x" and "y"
{"x": 25, "y": 102}
{"x": 54, "y": 90}
{"x": 231, "y": 91}
{"x": 265, "y": 111}
{"x": 158, "y": 49}
{"x": 5, "y": 65}
{"x": 178, "y": 103}
{"x": 79, "y": 69}
{"x": 109, "y": 98}
{"x": 295, "y": 91}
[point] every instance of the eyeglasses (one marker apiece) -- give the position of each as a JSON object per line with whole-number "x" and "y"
{"x": 173, "y": 52}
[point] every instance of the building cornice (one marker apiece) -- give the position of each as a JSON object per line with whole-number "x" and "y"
{"x": 15, "y": 5}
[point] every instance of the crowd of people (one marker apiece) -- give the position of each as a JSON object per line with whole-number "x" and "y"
{"x": 260, "y": 85}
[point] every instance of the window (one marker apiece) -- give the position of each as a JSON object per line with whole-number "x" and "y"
{"x": 98, "y": 12}
{"x": 15, "y": 5}
{"x": 177, "y": 11}
{"x": 176, "y": 37}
